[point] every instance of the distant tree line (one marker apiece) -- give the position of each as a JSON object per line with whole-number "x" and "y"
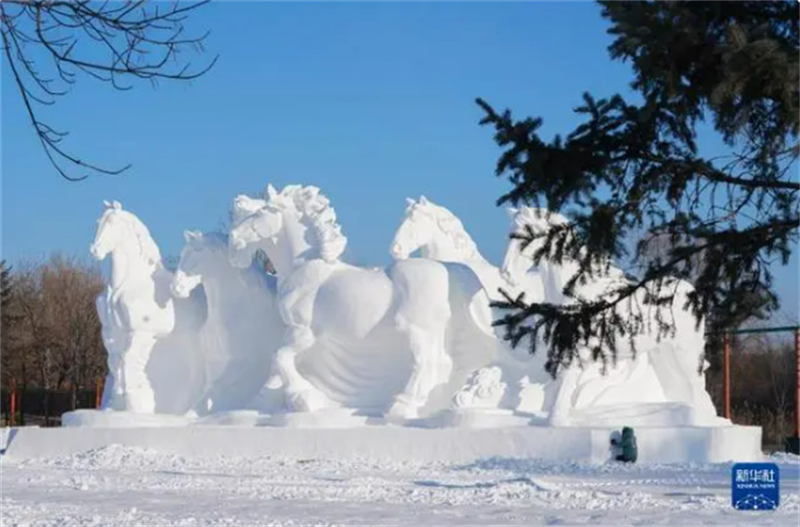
{"x": 50, "y": 335}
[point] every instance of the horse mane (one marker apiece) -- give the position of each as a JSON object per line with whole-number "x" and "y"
{"x": 451, "y": 226}
{"x": 530, "y": 215}
{"x": 310, "y": 203}
{"x": 244, "y": 206}
{"x": 215, "y": 240}
{"x": 147, "y": 246}
{"x": 527, "y": 215}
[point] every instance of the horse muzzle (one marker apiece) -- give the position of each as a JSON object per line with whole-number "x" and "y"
{"x": 398, "y": 253}
{"x": 96, "y": 253}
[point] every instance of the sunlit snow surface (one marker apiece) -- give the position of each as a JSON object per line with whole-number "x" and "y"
{"x": 121, "y": 486}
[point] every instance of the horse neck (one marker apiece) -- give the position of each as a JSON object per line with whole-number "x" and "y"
{"x": 128, "y": 267}
{"x": 442, "y": 247}
{"x": 292, "y": 247}
{"x": 223, "y": 284}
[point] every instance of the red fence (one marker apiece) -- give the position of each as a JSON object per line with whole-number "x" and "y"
{"x": 25, "y": 405}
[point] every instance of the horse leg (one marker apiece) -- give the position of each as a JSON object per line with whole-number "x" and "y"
{"x": 432, "y": 366}
{"x": 562, "y": 406}
{"x": 301, "y": 395}
{"x": 138, "y": 393}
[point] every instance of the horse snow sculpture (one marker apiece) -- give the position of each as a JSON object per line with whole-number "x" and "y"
{"x": 439, "y": 235}
{"x": 147, "y": 335}
{"x": 323, "y": 300}
{"x": 242, "y": 328}
{"x": 665, "y": 370}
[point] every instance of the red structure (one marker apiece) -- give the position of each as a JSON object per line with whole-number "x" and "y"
{"x": 792, "y": 443}
{"x": 726, "y": 367}
{"x": 797, "y": 387}
{"x": 12, "y": 404}
{"x": 98, "y": 393}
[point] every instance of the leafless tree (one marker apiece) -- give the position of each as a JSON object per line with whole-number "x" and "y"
{"x": 56, "y": 332}
{"x": 49, "y": 44}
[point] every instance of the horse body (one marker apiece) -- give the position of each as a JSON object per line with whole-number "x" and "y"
{"x": 323, "y": 300}
{"x": 668, "y": 369}
{"x": 242, "y": 327}
{"x": 139, "y": 317}
{"x": 437, "y": 234}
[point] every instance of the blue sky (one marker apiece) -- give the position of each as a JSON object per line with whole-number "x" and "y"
{"x": 372, "y": 102}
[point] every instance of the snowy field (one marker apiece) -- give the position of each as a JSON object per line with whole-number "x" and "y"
{"x": 126, "y": 486}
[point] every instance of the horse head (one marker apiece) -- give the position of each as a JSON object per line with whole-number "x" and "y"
{"x": 518, "y": 260}
{"x": 110, "y": 226}
{"x": 200, "y": 252}
{"x": 291, "y": 226}
{"x": 250, "y": 232}
{"x": 416, "y": 230}
{"x": 120, "y": 229}
{"x": 434, "y": 230}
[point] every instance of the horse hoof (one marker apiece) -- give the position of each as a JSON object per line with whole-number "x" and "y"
{"x": 308, "y": 401}
{"x": 274, "y": 382}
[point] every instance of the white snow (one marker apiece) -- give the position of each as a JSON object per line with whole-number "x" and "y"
{"x": 385, "y": 442}
{"x": 126, "y": 485}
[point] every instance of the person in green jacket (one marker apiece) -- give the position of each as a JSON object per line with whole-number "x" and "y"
{"x": 627, "y": 444}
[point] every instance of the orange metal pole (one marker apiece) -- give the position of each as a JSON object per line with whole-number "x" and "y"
{"x": 726, "y": 365}
{"x": 13, "y": 403}
{"x": 98, "y": 390}
{"x": 797, "y": 383}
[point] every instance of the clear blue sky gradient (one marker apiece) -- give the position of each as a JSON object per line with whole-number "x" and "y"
{"x": 372, "y": 102}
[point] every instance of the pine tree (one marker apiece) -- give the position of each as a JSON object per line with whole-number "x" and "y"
{"x": 632, "y": 168}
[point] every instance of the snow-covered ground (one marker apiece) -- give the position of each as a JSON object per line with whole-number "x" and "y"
{"x": 122, "y": 485}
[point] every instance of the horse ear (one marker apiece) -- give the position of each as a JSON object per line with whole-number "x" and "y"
{"x": 117, "y": 205}
{"x": 106, "y": 204}
{"x": 410, "y": 202}
{"x": 271, "y": 192}
{"x": 192, "y": 235}
{"x": 423, "y": 200}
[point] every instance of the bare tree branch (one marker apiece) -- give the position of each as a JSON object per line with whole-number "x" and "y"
{"x": 113, "y": 42}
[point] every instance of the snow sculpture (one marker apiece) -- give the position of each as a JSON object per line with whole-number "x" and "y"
{"x": 325, "y": 301}
{"x": 666, "y": 371}
{"x": 661, "y": 374}
{"x": 222, "y": 341}
{"x": 137, "y": 314}
{"x": 242, "y": 327}
{"x": 436, "y": 233}
{"x": 483, "y": 389}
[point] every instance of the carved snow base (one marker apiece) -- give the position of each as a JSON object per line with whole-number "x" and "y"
{"x": 478, "y": 418}
{"x": 232, "y": 418}
{"x": 327, "y": 418}
{"x": 642, "y": 414}
{"x": 122, "y": 419}
{"x": 456, "y": 445}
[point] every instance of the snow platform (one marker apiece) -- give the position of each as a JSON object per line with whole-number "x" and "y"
{"x": 398, "y": 443}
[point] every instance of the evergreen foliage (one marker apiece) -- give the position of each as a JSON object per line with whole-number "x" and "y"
{"x": 631, "y": 168}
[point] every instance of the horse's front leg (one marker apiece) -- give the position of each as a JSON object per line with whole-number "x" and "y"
{"x": 431, "y": 367}
{"x": 138, "y": 392}
{"x": 301, "y": 395}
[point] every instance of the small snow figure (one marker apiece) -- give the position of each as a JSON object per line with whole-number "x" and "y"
{"x": 628, "y": 446}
